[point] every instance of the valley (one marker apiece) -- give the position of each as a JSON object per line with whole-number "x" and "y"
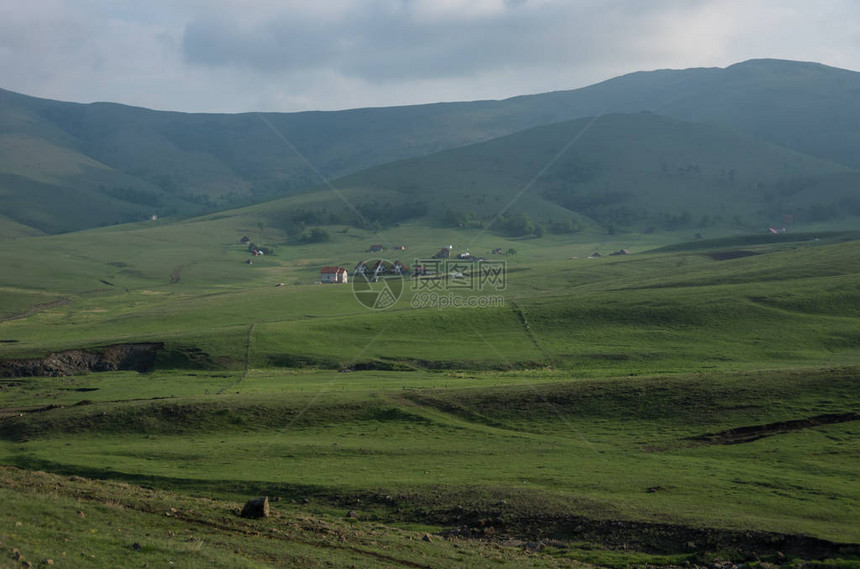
{"x": 625, "y": 333}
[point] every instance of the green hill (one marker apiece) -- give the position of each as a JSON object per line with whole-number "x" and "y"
{"x": 139, "y": 162}
{"x": 634, "y": 171}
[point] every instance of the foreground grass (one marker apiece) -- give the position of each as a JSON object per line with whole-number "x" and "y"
{"x": 621, "y": 448}
{"x": 76, "y": 522}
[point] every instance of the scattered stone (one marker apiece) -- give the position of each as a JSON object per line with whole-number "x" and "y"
{"x": 48, "y": 561}
{"x": 81, "y": 514}
{"x": 256, "y": 508}
{"x": 653, "y": 489}
{"x": 426, "y": 537}
{"x": 136, "y": 546}
{"x": 26, "y": 564}
{"x": 352, "y": 514}
{"x": 305, "y": 501}
{"x": 16, "y": 555}
{"x": 276, "y": 499}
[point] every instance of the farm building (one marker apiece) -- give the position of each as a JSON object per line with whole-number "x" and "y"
{"x": 333, "y": 275}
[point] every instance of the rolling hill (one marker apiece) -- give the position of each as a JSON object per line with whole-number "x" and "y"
{"x": 617, "y": 171}
{"x": 98, "y": 164}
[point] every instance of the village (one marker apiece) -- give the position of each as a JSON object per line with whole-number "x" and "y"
{"x": 381, "y": 268}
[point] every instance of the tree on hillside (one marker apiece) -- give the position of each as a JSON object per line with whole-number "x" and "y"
{"x": 316, "y": 235}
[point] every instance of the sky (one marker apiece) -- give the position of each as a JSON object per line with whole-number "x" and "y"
{"x": 297, "y": 55}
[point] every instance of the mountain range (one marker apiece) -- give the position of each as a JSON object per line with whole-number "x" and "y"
{"x": 753, "y": 143}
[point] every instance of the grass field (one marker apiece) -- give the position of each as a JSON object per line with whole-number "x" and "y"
{"x": 591, "y": 417}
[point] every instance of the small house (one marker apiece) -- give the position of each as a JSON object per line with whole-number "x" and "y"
{"x": 399, "y": 268}
{"x": 333, "y": 275}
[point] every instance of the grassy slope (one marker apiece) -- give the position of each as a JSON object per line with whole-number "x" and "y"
{"x": 656, "y": 166}
{"x": 81, "y": 523}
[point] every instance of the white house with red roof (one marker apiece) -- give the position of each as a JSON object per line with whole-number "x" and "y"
{"x": 333, "y": 275}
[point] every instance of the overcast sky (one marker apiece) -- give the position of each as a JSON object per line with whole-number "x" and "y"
{"x": 292, "y": 55}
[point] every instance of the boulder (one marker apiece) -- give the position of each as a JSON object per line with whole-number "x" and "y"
{"x": 256, "y": 508}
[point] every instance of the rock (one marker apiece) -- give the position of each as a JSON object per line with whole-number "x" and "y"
{"x": 352, "y": 514}
{"x": 48, "y": 561}
{"x": 16, "y": 555}
{"x": 136, "y": 546}
{"x": 81, "y": 514}
{"x": 256, "y": 508}
{"x": 426, "y": 537}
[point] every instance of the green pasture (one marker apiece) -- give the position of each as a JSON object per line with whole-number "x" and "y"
{"x": 579, "y": 396}
{"x": 580, "y": 446}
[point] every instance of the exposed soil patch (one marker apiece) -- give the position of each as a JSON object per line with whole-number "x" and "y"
{"x": 742, "y": 435}
{"x": 508, "y": 522}
{"x": 728, "y": 255}
{"x": 139, "y": 357}
{"x": 649, "y": 537}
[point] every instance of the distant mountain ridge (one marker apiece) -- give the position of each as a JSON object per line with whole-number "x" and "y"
{"x": 66, "y": 166}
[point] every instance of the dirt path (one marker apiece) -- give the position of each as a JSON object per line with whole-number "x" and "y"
{"x": 521, "y": 315}
{"x": 34, "y": 309}
{"x": 247, "y": 360}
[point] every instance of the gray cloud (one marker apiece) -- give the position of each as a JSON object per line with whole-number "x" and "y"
{"x": 236, "y": 55}
{"x": 394, "y": 42}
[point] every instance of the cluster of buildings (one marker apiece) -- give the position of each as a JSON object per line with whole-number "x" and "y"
{"x": 382, "y": 268}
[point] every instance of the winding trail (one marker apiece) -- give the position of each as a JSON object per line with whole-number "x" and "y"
{"x": 521, "y": 314}
{"x": 34, "y": 309}
{"x": 247, "y": 360}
